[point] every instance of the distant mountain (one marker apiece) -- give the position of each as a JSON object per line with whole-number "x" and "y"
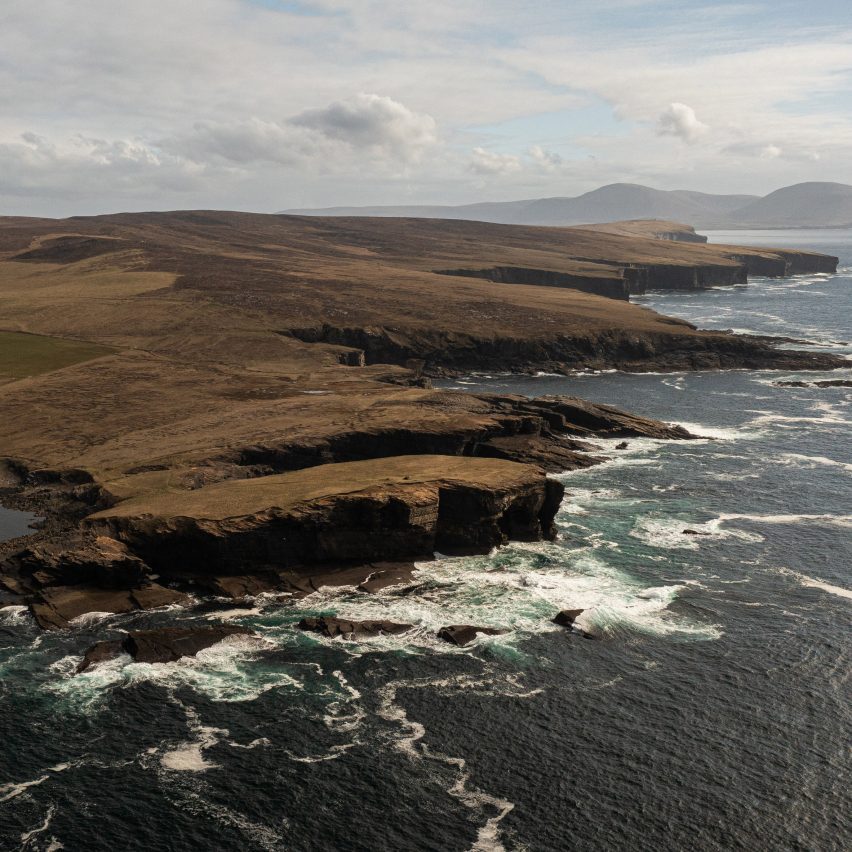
{"x": 825, "y": 205}
{"x": 806, "y": 205}
{"x": 611, "y": 203}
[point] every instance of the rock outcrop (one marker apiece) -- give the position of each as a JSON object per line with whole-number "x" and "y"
{"x": 332, "y": 627}
{"x": 825, "y": 383}
{"x": 566, "y": 617}
{"x": 236, "y": 527}
{"x": 464, "y": 634}
{"x": 163, "y": 645}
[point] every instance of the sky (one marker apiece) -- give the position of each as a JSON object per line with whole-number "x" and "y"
{"x": 111, "y": 105}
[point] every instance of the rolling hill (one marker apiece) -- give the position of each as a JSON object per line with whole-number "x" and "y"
{"x": 824, "y": 205}
{"x": 805, "y": 205}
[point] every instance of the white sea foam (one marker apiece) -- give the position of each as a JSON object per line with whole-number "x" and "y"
{"x": 677, "y": 383}
{"x": 806, "y": 461}
{"x": 14, "y": 614}
{"x": 12, "y": 789}
{"x": 90, "y": 619}
{"x": 26, "y": 836}
{"x": 844, "y": 521}
{"x": 231, "y": 614}
{"x": 719, "y": 433}
{"x": 519, "y": 589}
{"x": 188, "y": 757}
{"x": 223, "y": 672}
{"x": 669, "y": 533}
{"x": 826, "y": 587}
{"x": 816, "y": 583}
{"x": 409, "y": 738}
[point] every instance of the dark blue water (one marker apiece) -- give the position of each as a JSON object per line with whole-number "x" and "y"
{"x": 713, "y": 713}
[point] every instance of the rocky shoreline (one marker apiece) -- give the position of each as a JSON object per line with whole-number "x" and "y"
{"x": 360, "y": 523}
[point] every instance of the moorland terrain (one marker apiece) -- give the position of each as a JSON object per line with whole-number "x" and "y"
{"x": 234, "y": 402}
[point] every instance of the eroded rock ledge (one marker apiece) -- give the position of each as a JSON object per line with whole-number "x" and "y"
{"x": 295, "y": 515}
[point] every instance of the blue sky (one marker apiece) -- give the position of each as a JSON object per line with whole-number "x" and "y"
{"x": 267, "y": 104}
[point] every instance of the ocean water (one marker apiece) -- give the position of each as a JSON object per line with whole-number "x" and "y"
{"x": 712, "y": 713}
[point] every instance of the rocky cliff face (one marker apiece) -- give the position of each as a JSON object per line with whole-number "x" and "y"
{"x": 659, "y": 276}
{"x": 449, "y": 353}
{"x": 613, "y": 286}
{"x": 393, "y": 521}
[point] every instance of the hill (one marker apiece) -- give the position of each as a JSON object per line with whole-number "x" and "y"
{"x": 610, "y": 203}
{"x": 816, "y": 205}
{"x": 807, "y": 205}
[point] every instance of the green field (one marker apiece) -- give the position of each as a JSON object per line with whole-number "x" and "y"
{"x": 23, "y": 355}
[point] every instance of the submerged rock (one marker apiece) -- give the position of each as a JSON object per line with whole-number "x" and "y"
{"x": 332, "y": 627}
{"x": 464, "y": 634}
{"x": 163, "y": 645}
{"x": 622, "y": 446}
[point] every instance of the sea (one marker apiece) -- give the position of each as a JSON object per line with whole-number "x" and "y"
{"x": 712, "y": 710}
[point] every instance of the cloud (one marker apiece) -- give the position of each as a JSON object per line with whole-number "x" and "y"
{"x": 378, "y": 126}
{"x": 77, "y": 167}
{"x": 373, "y": 122}
{"x": 762, "y": 150}
{"x": 245, "y": 142}
{"x": 483, "y": 162}
{"x": 548, "y": 160}
{"x": 680, "y": 120}
{"x": 251, "y": 104}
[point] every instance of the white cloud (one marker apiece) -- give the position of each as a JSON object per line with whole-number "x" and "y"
{"x": 246, "y": 142}
{"x": 483, "y": 162}
{"x": 680, "y": 120}
{"x": 548, "y": 160}
{"x": 379, "y": 127}
{"x": 77, "y": 167}
{"x": 373, "y": 122}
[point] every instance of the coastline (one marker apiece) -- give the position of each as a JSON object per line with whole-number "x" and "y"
{"x": 126, "y": 452}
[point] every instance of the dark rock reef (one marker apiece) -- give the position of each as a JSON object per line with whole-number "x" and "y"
{"x": 825, "y": 383}
{"x": 164, "y": 645}
{"x": 464, "y": 634}
{"x": 332, "y": 627}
